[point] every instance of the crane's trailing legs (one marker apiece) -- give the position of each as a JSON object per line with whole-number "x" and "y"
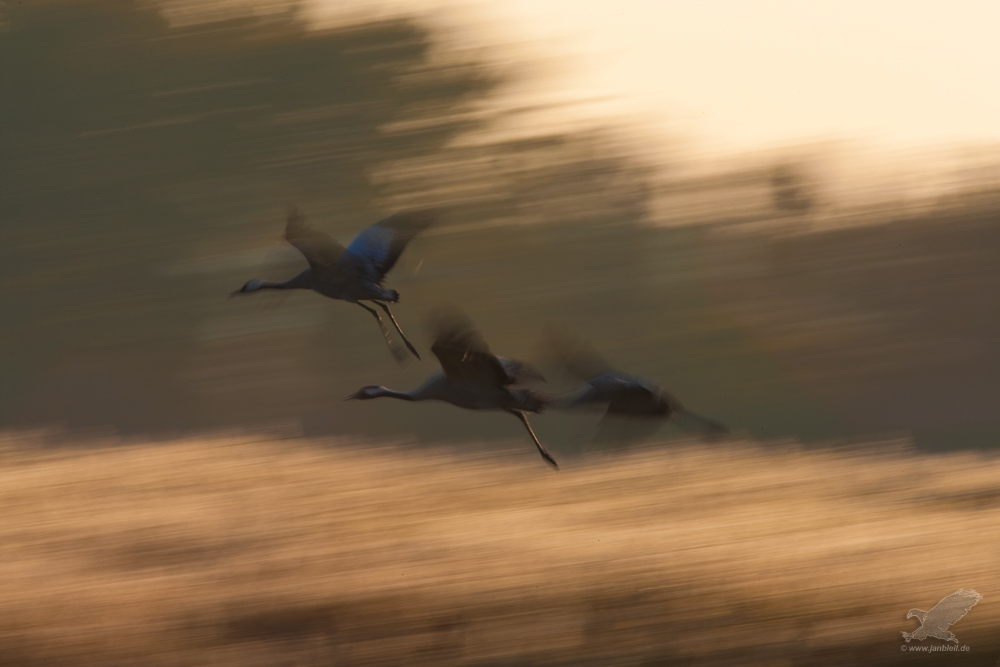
{"x": 541, "y": 450}
{"x": 396, "y": 352}
{"x": 396, "y": 324}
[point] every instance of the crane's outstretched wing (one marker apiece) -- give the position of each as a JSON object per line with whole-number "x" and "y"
{"x": 463, "y": 352}
{"x": 318, "y": 247}
{"x": 376, "y": 248}
{"x": 575, "y": 356}
{"x": 952, "y": 608}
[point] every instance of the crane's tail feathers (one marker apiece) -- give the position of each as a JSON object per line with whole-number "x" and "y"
{"x": 710, "y": 425}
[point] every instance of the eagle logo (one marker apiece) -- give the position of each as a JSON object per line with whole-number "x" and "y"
{"x": 947, "y": 612}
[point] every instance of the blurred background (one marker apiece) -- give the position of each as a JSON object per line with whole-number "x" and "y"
{"x": 785, "y": 212}
{"x": 824, "y": 279}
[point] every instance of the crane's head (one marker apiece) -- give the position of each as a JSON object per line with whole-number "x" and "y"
{"x": 250, "y": 286}
{"x": 365, "y": 393}
{"x": 919, "y": 613}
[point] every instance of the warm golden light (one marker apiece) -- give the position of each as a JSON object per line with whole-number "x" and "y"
{"x": 232, "y": 551}
{"x": 731, "y": 266}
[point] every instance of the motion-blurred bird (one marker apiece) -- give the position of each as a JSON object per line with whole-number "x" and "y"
{"x": 643, "y": 403}
{"x": 355, "y": 273}
{"x": 947, "y": 612}
{"x": 473, "y": 378}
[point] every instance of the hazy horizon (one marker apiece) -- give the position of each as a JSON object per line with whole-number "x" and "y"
{"x": 735, "y": 76}
{"x": 889, "y": 96}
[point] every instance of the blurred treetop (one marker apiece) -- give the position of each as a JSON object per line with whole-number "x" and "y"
{"x": 127, "y": 145}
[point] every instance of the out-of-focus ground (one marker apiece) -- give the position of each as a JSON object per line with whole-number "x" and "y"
{"x": 256, "y": 550}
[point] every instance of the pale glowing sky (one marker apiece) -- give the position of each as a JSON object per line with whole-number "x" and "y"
{"x": 749, "y": 74}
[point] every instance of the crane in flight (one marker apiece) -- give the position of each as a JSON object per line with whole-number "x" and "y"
{"x": 355, "y": 273}
{"x": 472, "y": 377}
{"x": 639, "y": 405}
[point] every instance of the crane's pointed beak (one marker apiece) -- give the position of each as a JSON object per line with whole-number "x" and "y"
{"x": 351, "y": 397}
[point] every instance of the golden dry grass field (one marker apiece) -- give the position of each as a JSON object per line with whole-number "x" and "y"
{"x": 231, "y": 551}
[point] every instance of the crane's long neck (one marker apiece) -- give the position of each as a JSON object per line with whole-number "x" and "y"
{"x": 383, "y": 392}
{"x": 270, "y": 284}
{"x": 301, "y": 281}
{"x": 435, "y": 388}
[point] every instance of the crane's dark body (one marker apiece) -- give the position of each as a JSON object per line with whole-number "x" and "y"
{"x": 355, "y": 273}
{"x": 338, "y": 283}
{"x": 473, "y": 378}
{"x": 623, "y": 394}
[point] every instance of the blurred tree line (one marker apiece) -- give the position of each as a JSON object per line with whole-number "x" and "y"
{"x": 131, "y": 148}
{"x": 128, "y": 145}
{"x": 144, "y": 172}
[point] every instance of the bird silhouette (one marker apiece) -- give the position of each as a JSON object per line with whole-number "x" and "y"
{"x": 635, "y": 407}
{"x": 355, "y": 273}
{"x": 473, "y": 377}
{"x": 947, "y": 612}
